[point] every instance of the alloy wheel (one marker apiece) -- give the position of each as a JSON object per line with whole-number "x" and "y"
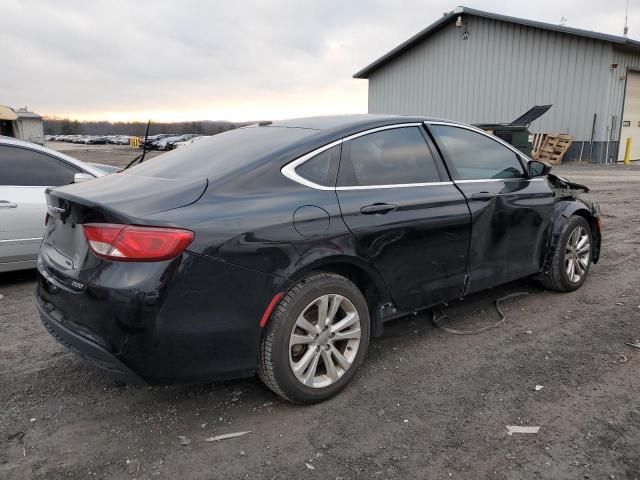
{"x": 324, "y": 341}
{"x": 577, "y": 254}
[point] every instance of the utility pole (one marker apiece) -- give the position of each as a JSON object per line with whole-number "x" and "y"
{"x": 626, "y": 24}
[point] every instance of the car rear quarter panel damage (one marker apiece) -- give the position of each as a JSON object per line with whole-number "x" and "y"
{"x": 187, "y": 319}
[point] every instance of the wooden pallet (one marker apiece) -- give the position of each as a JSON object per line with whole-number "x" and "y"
{"x": 551, "y": 147}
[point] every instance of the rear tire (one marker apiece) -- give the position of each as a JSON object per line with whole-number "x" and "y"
{"x": 571, "y": 257}
{"x": 304, "y": 361}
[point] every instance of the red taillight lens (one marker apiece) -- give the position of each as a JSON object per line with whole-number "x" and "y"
{"x": 131, "y": 243}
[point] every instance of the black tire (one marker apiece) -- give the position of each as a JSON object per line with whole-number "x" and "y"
{"x": 274, "y": 365}
{"x": 555, "y": 276}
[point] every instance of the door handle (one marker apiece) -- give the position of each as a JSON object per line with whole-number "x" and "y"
{"x": 7, "y": 204}
{"x": 378, "y": 209}
{"x": 483, "y": 196}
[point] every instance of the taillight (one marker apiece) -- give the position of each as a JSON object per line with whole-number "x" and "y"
{"x": 132, "y": 243}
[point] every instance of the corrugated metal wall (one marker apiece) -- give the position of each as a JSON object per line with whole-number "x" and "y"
{"x": 29, "y": 129}
{"x": 499, "y": 72}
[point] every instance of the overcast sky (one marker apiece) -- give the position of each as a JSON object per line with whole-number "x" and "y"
{"x": 235, "y": 60}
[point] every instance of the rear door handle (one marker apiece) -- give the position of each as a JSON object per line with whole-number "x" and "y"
{"x": 378, "y": 209}
{"x": 483, "y": 196}
{"x": 7, "y": 204}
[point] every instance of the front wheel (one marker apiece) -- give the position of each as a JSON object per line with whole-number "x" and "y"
{"x": 315, "y": 339}
{"x": 571, "y": 258}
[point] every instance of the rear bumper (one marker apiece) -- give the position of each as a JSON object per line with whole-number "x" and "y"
{"x": 185, "y": 320}
{"x": 85, "y": 348}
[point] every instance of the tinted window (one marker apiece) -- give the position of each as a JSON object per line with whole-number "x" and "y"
{"x": 221, "y": 154}
{"x": 388, "y": 157}
{"x": 476, "y": 156}
{"x": 321, "y": 169}
{"x": 24, "y": 167}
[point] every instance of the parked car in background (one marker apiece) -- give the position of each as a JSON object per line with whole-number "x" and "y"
{"x": 189, "y": 141}
{"x": 90, "y": 139}
{"x": 26, "y": 170}
{"x": 152, "y": 141}
{"x": 282, "y": 248}
{"x": 105, "y": 168}
{"x": 161, "y": 141}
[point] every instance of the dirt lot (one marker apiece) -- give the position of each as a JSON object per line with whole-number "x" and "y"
{"x": 427, "y": 404}
{"x": 118, "y": 155}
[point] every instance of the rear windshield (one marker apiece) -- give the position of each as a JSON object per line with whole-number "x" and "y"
{"x": 221, "y": 154}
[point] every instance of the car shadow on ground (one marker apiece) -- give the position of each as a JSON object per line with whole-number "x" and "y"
{"x": 472, "y": 312}
{"x": 17, "y": 278}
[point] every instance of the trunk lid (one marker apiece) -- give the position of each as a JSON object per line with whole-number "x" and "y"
{"x": 128, "y": 196}
{"x": 118, "y": 198}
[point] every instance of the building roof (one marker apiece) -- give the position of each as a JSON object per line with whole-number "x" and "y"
{"x": 453, "y": 15}
{"x": 24, "y": 113}
{"x": 6, "y": 113}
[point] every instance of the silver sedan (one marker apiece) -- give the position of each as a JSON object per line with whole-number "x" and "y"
{"x": 26, "y": 170}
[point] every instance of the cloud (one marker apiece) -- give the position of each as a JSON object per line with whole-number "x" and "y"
{"x": 237, "y": 60}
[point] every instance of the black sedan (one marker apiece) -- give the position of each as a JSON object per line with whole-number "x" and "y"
{"x": 282, "y": 248}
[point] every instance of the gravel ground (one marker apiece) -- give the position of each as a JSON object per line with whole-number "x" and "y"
{"x": 118, "y": 155}
{"x": 426, "y": 404}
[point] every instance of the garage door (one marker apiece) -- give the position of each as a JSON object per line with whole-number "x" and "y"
{"x": 631, "y": 117}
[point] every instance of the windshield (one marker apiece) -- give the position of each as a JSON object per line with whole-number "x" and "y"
{"x": 221, "y": 154}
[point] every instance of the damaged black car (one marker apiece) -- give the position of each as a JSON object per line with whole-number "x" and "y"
{"x": 282, "y": 248}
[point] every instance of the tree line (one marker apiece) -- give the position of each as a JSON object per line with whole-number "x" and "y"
{"x": 65, "y": 126}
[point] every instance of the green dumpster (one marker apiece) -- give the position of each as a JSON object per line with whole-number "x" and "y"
{"x": 517, "y": 132}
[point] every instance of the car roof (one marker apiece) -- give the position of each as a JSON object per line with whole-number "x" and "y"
{"x": 332, "y": 122}
{"x": 15, "y": 142}
{"x": 329, "y": 128}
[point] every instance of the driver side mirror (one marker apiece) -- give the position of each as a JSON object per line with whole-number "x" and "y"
{"x": 82, "y": 177}
{"x": 538, "y": 169}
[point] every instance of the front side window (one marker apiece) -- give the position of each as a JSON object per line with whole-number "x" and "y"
{"x": 388, "y": 157}
{"x": 475, "y": 156}
{"x": 24, "y": 167}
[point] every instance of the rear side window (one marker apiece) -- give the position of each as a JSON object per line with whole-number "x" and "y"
{"x": 475, "y": 156}
{"x": 389, "y": 157}
{"x": 24, "y": 167}
{"x": 322, "y": 168}
{"x": 221, "y": 154}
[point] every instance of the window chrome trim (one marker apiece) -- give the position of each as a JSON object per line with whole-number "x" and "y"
{"x": 16, "y": 240}
{"x": 510, "y": 179}
{"x": 396, "y": 185}
{"x": 380, "y": 129}
{"x": 481, "y": 132}
{"x": 289, "y": 170}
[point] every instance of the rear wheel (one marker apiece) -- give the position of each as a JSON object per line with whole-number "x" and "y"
{"x": 571, "y": 257}
{"x": 315, "y": 339}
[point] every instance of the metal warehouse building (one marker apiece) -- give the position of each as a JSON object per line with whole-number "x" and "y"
{"x": 480, "y": 67}
{"x": 21, "y": 123}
